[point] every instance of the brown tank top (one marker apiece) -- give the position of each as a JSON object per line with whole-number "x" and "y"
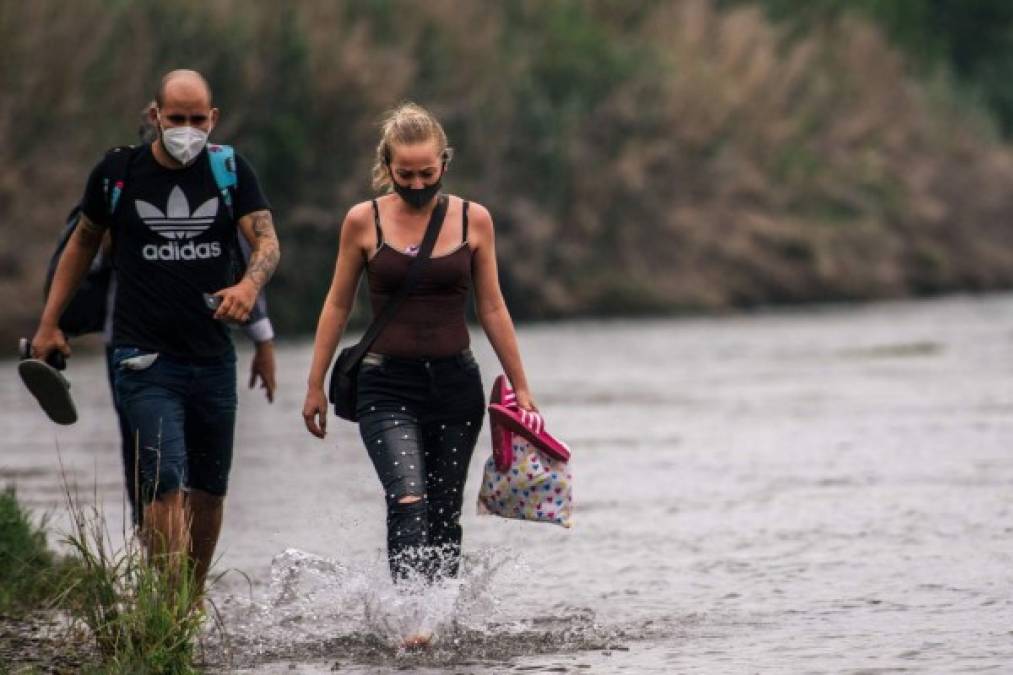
{"x": 431, "y": 320}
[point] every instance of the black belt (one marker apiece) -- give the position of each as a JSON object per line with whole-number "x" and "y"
{"x": 463, "y": 357}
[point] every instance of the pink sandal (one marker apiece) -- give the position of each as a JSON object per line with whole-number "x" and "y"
{"x": 502, "y": 447}
{"x": 507, "y": 417}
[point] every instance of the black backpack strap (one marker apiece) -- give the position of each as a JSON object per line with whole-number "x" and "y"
{"x": 117, "y": 165}
{"x": 70, "y": 224}
{"x": 117, "y": 169}
{"x": 415, "y": 271}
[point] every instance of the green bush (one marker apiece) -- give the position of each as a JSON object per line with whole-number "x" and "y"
{"x": 27, "y": 566}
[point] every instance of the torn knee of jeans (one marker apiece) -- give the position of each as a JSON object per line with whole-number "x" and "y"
{"x": 408, "y": 506}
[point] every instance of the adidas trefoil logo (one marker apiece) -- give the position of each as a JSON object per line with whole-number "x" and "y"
{"x": 177, "y": 224}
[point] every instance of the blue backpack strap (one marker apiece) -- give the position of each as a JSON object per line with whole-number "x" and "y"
{"x": 223, "y": 168}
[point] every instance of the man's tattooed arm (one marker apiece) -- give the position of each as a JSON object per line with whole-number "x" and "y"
{"x": 258, "y": 228}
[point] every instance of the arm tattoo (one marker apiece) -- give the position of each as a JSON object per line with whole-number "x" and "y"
{"x": 263, "y": 225}
{"x": 266, "y": 252}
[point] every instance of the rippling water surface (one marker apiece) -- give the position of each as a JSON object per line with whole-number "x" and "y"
{"x": 822, "y": 491}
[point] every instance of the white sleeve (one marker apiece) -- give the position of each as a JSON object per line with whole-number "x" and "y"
{"x": 260, "y": 330}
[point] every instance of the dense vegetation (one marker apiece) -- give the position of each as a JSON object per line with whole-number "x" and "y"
{"x": 638, "y": 157}
{"x": 136, "y": 619}
{"x": 972, "y": 41}
{"x": 28, "y": 569}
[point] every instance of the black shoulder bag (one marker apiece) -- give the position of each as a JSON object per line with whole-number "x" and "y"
{"x": 345, "y": 373}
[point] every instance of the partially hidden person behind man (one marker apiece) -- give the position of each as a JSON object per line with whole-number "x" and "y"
{"x": 420, "y": 399}
{"x": 175, "y": 240}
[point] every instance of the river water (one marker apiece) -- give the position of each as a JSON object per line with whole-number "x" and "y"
{"x": 828, "y": 490}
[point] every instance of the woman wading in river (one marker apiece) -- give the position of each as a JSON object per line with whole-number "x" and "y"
{"x": 420, "y": 397}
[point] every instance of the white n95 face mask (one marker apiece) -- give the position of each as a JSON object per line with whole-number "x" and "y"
{"x": 184, "y": 143}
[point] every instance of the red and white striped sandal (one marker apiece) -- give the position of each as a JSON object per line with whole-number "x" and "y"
{"x": 507, "y": 417}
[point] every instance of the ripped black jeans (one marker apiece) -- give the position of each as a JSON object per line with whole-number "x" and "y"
{"x": 419, "y": 419}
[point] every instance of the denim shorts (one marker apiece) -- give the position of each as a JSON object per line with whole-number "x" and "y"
{"x": 181, "y": 415}
{"x": 126, "y": 443}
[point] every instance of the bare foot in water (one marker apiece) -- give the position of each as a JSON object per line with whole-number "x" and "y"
{"x": 417, "y": 642}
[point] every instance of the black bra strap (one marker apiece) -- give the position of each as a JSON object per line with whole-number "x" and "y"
{"x": 464, "y": 223}
{"x": 376, "y": 222}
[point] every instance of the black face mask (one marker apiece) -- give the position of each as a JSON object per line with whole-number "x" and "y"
{"x": 418, "y": 197}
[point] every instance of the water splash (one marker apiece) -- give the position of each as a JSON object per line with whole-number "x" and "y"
{"x": 312, "y": 598}
{"x": 321, "y": 608}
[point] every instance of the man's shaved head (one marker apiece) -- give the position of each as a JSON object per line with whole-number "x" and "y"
{"x": 188, "y": 83}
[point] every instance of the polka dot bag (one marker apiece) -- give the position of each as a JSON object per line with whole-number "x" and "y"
{"x": 528, "y": 475}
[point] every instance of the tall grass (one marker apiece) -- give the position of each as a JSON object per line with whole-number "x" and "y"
{"x": 29, "y": 571}
{"x": 144, "y": 614}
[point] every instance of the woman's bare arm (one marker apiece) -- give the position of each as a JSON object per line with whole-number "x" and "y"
{"x": 352, "y": 249}
{"x": 490, "y": 305}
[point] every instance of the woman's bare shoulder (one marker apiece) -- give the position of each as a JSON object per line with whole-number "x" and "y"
{"x": 361, "y": 212}
{"x": 359, "y": 217}
{"x": 479, "y": 220}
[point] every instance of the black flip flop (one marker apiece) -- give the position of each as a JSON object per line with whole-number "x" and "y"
{"x": 50, "y": 388}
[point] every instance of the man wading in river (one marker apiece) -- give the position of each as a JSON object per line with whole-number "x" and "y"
{"x": 175, "y": 251}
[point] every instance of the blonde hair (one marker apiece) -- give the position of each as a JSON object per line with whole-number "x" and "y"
{"x": 407, "y": 124}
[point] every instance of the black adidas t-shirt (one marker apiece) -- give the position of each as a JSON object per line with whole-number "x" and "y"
{"x": 173, "y": 241}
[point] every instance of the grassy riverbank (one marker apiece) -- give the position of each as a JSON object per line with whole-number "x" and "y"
{"x": 33, "y": 578}
{"x": 30, "y": 571}
{"x": 110, "y": 609}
